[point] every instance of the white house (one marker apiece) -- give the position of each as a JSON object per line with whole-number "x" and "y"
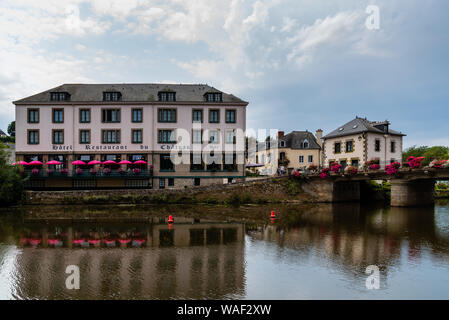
{"x": 361, "y": 140}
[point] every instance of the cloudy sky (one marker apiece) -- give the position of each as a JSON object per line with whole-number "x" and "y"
{"x": 302, "y": 64}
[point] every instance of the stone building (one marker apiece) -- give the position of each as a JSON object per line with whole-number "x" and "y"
{"x": 361, "y": 140}
{"x": 296, "y": 150}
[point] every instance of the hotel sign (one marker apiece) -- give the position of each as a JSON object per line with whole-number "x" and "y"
{"x": 96, "y": 147}
{"x": 112, "y": 147}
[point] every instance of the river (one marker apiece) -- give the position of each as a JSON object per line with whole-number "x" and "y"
{"x": 307, "y": 252}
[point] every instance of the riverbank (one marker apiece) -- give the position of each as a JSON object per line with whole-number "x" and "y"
{"x": 276, "y": 190}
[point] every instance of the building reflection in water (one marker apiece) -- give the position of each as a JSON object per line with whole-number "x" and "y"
{"x": 132, "y": 261}
{"x": 354, "y": 237}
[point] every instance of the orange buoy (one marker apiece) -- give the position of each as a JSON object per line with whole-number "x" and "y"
{"x": 170, "y": 219}
{"x": 272, "y": 214}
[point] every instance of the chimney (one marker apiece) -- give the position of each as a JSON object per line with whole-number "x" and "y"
{"x": 280, "y": 134}
{"x": 319, "y": 136}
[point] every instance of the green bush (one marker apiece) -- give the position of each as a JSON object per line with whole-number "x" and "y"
{"x": 441, "y": 186}
{"x": 293, "y": 187}
{"x": 11, "y": 181}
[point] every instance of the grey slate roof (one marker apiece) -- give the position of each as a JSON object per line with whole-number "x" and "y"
{"x": 359, "y": 125}
{"x": 130, "y": 93}
{"x": 295, "y": 139}
{"x": 2, "y": 133}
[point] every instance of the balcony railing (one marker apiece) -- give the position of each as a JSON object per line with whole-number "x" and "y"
{"x": 45, "y": 173}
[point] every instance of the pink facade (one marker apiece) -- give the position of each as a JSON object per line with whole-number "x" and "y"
{"x": 149, "y": 125}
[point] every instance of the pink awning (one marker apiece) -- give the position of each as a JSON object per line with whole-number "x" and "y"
{"x": 107, "y": 162}
{"x": 79, "y": 163}
{"x": 125, "y": 162}
{"x": 140, "y": 162}
{"x": 94, "y": 162}
{"x": 53, "y": 162}
{"x": 35, "y": 163}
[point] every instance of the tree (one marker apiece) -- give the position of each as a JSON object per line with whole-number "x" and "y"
{"x": 429, "y": 153}
{"x": 11, "y": 182}
{"x": 12, "y": 129}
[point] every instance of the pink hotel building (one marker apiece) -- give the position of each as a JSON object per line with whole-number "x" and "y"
{"x": 130, "y": 122}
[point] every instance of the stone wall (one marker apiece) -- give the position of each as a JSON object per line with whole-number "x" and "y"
{"x": 255, "y": 191}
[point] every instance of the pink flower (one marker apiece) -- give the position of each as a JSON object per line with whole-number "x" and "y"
{"x": 323, "y": 175}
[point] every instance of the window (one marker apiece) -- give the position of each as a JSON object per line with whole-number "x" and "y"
{"x": 58, "y": 115}
{"x": 136, "y": 115}
{"x": 230, "y": 137}
{"x": 301, "y": 159}
{"x": 111, "y": 115}
{"x": 377, "y": 145}
{"x": 165, "y": 163}
{"x": 110, "y": 136}
{"x": 282, "y": 144}
{"x": 136, "y": 157}
{"x": 58, "y": 136}
{"x": 282, "y": 156}
{"x": 59, "y": 96}
{"x": 33, "y": 115}
{"x": 105, "y": 157}
{"x": 196, "y": 162}
{"x": 349, "y": 146}
{"x": 214, "y": 97}
{"x": 166, "y": 136}
{"x": 214, "y": 136}
{"x": 85, "y": 115}
{"x": 136, "y": 135}
{"x": 167, "y": 96}
{"x": 230, "y": 162}
{"x": 167, "y": 115}
{"x": 196, "y": 181}
{"x": 310, "y": 158}
{"x": 33, "y": 137}
{"x": 84, "y": 136}
{"x": 197, "y": 115}
{"x": 337, "y": 147}
{"x": 305, "y": 144}
{"x": 161, "y": 183}
{"x": 214, "y": 161}
{"x": 393, "y": 146}
{"x": 171, "y": 182}
{"x": 214, "y": 116}
{"x": 112, "y": 96}
{"x": 230, "y": 116}
{"x": 355, "y": 163}
{"x": 197, "y": 136}
{"x": 87, "y": 157}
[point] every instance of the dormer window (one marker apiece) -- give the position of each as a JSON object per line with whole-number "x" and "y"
{"x": 112, "y": 96}
{"x": 167, "y": 96}
{"x": 59, "y": 96}
{"x": 214, "y": 97}
{"x": 305, "y": 144}
{"x": 282, "y": 144}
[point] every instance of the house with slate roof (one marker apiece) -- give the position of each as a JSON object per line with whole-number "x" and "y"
{"x": 361, "y": 140}
{"x": 296, "y": 150}
{"x": 136, "y": 129}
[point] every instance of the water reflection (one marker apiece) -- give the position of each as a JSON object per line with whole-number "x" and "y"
{"x": 190, "y": 260}
{"x": 308, "y": 252}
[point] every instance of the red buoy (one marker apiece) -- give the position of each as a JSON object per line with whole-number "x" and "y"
{"x": 170, "y": 219}
{"x": 273, "y": 215}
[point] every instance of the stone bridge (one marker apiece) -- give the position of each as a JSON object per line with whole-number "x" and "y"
{"x": 409, "y": 187}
